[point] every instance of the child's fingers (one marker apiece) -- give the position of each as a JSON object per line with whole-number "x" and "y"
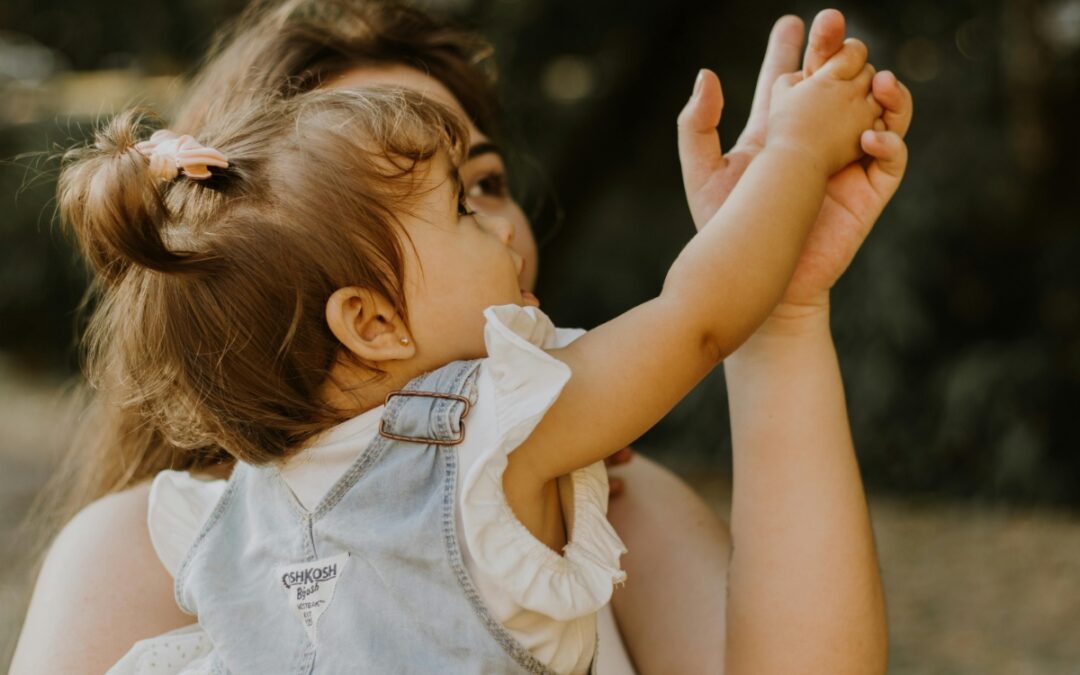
{"x": 895, "y": 99}
{"x": 848, "y": 62}
{"x": 781, "y": 56}
{"x": 864, "y": 79}
{"x": 890, "y": 160}
{"x": 699, "y": 143}
{"x": 875, "y": 111}
{"x": 826, "y": 39}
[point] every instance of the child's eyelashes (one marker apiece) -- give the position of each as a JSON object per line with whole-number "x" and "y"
{"x": 463, "y": 204}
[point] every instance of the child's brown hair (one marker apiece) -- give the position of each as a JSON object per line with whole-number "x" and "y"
{"x": 275, "y": 47}
{"x": 210, "y": 325}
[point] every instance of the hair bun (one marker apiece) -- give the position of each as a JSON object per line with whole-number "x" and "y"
{"x": 116, "y": 207}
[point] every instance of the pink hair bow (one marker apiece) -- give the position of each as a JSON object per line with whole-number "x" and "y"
{"x": 171, "y": 153}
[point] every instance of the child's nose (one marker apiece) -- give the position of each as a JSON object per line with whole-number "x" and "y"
{"x": 502, "y": 228}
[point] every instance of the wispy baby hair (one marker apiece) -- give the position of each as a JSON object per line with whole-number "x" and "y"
{"x": 210, "y": 325}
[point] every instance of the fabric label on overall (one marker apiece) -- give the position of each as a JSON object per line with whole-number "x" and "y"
{"x": 310, "y": 587}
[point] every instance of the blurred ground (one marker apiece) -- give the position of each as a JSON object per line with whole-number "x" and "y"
{"x": 987, "y": 590}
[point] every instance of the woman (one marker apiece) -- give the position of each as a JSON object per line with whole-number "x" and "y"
{"x": 84, "y": 617}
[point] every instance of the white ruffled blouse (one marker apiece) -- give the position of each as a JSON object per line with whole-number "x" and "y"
{"x": 549, "y": 602}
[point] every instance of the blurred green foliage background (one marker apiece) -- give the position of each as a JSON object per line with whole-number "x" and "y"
{"x": 958, "y": 325}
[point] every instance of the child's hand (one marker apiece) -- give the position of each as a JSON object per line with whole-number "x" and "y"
{"x": 824, "y": 115}
{"x": 854, "y": 198}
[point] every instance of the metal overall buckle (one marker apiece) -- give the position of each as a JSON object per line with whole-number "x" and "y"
{"x": 430, "y": 394}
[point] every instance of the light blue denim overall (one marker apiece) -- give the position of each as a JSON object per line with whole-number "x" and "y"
{"x": 369, "y": 581}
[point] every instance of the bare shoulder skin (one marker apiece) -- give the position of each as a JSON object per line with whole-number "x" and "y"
{"x": 101, "y": 589}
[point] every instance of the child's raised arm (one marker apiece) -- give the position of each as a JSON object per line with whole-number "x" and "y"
{"x": 632, "y": 370}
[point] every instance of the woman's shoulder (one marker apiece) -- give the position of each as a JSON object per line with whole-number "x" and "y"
{"x": 115, "y": 522}
{"x": 100, "y": 588}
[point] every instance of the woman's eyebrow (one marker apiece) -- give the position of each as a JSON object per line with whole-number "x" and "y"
{"x": 484, "y": 148}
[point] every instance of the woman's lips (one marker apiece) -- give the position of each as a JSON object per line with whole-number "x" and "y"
{"x": 529, "y": 299}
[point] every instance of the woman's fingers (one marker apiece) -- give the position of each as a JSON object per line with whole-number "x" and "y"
{"x": 890, "y": 160}
{"x": 826, "y": 38}
{"x": 616, "y": 485}
{"x": 620, "y": 457}
{"x": 699, "y": 142}
{"x": 788, "y": 80}
{"x": 781, "y": 56}
{"x": 896, "y": 100}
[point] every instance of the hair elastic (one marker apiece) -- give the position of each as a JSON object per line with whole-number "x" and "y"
{"x": 171, "y": 153}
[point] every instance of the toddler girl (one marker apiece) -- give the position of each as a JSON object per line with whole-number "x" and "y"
{"x": 310, "y": 293}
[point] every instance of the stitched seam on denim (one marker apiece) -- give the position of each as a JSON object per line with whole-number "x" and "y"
{"x": 371, "y": 454}
{"x": 307, "y": 660}
{"x": 465, "y": 377}
{"x": 440, "y": 418}
{"x": 462, "y": 378}
{"x": 344, "y": 482}
{"x": 508, "y": 642}
{"x": 287, "y": 494}
{"x": 298, "y": 510}
{"x": 367, "y": 457}
{"x": 215, "y": 516}
{"x": 351, "y": 477}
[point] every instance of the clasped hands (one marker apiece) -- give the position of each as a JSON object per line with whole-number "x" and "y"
{"x": 855, "y": 195}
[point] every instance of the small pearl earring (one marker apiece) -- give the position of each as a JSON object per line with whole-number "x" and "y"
{"x": 404, "y": 341}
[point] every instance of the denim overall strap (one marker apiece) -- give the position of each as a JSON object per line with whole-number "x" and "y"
{"x": 372, "y": 578}
{"x": 430, "y": 409}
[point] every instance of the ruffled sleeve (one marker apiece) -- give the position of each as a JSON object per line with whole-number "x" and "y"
{"x": 526, "y": 382}
{"x": 179, "y": 504}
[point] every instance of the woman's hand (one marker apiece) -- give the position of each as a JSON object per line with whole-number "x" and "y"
{"x": 855, "y": 196}
{"x": 615, "y": 484}
{"x": 709, "y": 174}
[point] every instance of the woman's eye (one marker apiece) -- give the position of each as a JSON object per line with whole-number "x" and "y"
{"x": 491, "y": 185}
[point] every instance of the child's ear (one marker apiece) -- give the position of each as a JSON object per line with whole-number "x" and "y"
{"x": 368, "y": 325}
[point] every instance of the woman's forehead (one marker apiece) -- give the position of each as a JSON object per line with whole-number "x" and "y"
{"x": 408, "y": 78}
